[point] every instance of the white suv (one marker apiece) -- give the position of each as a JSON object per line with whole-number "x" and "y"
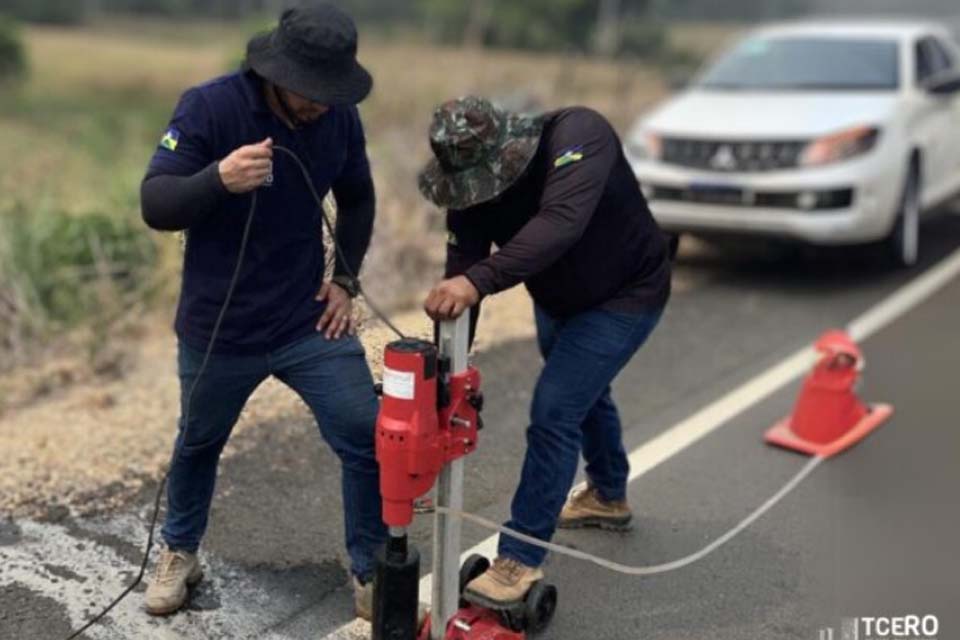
{"x": 826, "y": 133}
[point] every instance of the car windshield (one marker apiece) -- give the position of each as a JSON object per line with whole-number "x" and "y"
{"x": 821, "y": 64}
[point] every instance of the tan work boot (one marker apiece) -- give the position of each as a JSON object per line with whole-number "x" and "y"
{"x": 175, "y": 572}
{"x": 503, "y": 585}
{"x": 363, "y": 599}
{"x": 363, "y": 603}
{"x": 585, "y": 508}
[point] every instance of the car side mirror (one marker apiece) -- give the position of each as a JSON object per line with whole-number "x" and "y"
{"x": 944, "y": 84}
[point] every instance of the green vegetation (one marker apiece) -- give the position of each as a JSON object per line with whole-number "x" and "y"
{"x": 48, "y": 11}
{"x": 605, "y": 27}
{"x": 64, "y": 269}
{"x": 535, "y": 24}
{"x": 13, "y": 58}
{"x": 73, "y": 252}
{"x": 617, "y": 27}
{"x": 72, "y": 249}
{"x": 75, "y": 259}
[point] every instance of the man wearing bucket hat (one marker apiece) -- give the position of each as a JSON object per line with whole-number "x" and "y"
{"x": 558, "y": 198}
{"x": 299, "y": 88}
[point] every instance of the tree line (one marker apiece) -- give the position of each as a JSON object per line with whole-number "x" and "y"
{"x": 632, "y": 27}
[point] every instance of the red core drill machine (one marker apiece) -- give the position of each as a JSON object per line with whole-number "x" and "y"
{"x": 429, "y": 419}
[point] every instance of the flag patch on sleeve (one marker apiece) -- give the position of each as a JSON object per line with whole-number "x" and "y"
{"x": 569, "y": 157}
{"x": 170, "y": 139}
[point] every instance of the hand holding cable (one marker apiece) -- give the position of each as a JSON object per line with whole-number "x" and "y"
{"x": 244, "y": 169}
{"x": 248, "y": 167}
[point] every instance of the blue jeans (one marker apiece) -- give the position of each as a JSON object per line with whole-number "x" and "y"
{"x": 334, "y": 380}
{"x": 572, "y": 411}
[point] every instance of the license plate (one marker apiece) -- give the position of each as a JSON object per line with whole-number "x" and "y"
{"x": 707, "y": 193}
{"x": 706, "y": 187}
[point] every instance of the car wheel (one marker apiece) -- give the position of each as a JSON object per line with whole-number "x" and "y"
{"x": 903, "y": 243}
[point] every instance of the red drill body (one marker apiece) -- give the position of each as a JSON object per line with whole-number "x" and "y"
{"x": 427, "y": 419}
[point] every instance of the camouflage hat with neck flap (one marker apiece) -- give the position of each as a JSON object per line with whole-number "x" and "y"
{"x": 479, "y": 152}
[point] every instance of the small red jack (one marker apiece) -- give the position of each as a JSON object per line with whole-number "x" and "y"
{"x": 472, "y": 622}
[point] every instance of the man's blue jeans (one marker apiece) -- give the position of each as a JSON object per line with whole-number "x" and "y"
{"x": 334, "y": 380}
{"x": 572, "y": 411}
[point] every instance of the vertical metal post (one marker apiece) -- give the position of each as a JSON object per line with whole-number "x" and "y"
{"x": 454, "y": 343}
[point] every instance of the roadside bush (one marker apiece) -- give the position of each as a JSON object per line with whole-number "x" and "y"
{"x": 679, "y": 63}
{"x": 65, "y": 12}
{"x": 59, "y": 270}
{"x": 13, "y": 57}
{"x": 650, "y": 41}
{"x": 643, "y": 39}
{"x": 533, "y": 25}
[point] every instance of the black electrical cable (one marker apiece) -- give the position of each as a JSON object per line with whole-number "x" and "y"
{"x": 244, "y": 241}
{"x": 343, "y": 259}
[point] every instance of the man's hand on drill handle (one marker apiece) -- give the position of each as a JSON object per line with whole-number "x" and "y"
{"x": 449, "y": 299}
{"x": 338, "y": 318}
{"x": 247, "y": 167}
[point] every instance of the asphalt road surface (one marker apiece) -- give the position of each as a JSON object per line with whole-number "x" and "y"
{"x": 869, "y": 533}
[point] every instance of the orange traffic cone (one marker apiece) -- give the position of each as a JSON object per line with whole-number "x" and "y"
{"x": 829, "y": 417}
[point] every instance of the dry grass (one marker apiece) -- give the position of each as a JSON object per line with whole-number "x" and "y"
{"x": 705, "y": 39}
{"x": 90, "y": 444}
{"x": 84, "y": 126}
{"x": 77, "y": 140}
{"x": 82, "y": 62}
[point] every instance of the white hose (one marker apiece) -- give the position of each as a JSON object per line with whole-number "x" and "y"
{"x": 654, "y": 569}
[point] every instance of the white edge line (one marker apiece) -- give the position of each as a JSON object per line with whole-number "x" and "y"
{"x": 711, "y": 417}
{"x": 905, "y": 298}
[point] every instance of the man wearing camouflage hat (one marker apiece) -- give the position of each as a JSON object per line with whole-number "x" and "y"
{"x": 557, "y": 197}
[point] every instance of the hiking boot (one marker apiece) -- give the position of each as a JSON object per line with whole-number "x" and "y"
{"x": 585, "y": 508}
{"x": 175, "y": 572}
{"x": 363, "y": 603}
{"x": 363, "y": 599}
{"x": 504, "y": 585}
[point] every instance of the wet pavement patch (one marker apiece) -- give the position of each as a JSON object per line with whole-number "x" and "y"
{"x": 63, "y": 572}
{"x": 204, "y": 597}
{"x": 313, "y": 580}
{"x": 124, "y": 548}
{"x": 9, "y": 532}
{"x": 27, "y": 614}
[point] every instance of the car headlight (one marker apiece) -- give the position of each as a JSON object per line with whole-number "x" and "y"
{"x": 644, "y": 146}
{"x": 840, "y": 146}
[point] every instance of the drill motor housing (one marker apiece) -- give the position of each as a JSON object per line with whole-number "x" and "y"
{"x": 428, "y": 418}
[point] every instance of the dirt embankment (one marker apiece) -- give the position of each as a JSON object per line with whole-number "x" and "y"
{"x": 81, "y": 442}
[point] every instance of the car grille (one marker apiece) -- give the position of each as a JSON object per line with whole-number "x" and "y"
{"x": 818, "y": 200}
{"x": 733, "y": 156}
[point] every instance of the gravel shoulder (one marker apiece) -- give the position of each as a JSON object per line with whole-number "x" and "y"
{"x": 87, "y": 445}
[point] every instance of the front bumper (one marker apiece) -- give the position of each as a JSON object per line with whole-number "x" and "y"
{"x": 848, "y": 203}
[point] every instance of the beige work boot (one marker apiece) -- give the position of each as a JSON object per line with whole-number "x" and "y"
{"x": 585, "y": 508}
{"x": 363, "y": 603}
{"x": 175, "y": 572}
{"x": 503, "y": 585}
{"x": 363, "y": 599}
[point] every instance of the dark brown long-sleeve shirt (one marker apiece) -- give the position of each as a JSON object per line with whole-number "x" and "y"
{"x": 575, "y": 228}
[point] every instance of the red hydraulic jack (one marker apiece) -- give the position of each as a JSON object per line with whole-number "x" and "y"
{"x": 428, "y": 421}
{"x": 829, "y": 417}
